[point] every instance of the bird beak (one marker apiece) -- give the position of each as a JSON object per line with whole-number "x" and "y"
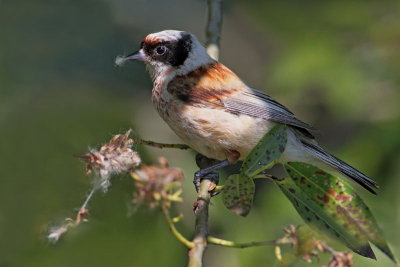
{"x": 139, "y": 55}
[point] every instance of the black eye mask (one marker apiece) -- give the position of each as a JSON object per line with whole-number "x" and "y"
{"x": 181, "y": 50}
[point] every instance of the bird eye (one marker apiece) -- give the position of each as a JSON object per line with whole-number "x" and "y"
{"x": 161, "y": 50}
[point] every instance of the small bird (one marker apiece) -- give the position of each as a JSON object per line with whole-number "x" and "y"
{"x": 214, "y": 112}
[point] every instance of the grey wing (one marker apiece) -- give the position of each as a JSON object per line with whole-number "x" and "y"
{"x": 257, "y": 104}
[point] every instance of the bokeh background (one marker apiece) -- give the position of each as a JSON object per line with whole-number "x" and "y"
{"x": 334, "y": 63}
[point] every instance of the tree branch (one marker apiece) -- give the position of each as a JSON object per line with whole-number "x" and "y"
{"x": 213, "y": 29}
{"x": 201, "y": 224}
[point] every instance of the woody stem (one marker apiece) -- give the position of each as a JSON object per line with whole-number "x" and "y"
{"x": 213, "y": 29}
{"x": 201, "y": 225}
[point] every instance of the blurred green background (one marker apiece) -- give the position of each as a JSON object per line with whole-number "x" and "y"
{"x": 334, "y": 63}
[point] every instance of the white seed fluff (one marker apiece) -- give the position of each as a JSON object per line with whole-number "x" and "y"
{"x": 120, "y": 61}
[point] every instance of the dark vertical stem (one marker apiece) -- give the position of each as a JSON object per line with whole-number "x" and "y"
{"x": 214, "y": 25}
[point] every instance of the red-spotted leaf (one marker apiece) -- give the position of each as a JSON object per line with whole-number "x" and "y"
{"x": 331, "y": 205}
{"x": 238, "y": 193}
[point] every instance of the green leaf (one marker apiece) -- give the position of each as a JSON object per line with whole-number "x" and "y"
{"x": 239, "y": 189}
{"x": 238, "y": 194}
{"x": 267, "y": 151}
{"x": 331, "y": 205}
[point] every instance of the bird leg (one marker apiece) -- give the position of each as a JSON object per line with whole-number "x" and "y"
{"x": 207, "y": 166}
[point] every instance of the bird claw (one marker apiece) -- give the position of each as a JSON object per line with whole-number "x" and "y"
{"x": 212, "y": 176}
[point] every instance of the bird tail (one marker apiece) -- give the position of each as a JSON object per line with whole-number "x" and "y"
{"x": 341, "y": 166}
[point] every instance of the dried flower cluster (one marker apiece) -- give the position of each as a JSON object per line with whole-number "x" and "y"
{"x": 113, "y": 158}
{"x": 290, "y": 236}
{"x": 341, "y": 259}
{"x": 309, "y": 247}
{"x": 154, "y": 183}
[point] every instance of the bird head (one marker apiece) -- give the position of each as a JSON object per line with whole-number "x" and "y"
{"x": 169, "y": 52}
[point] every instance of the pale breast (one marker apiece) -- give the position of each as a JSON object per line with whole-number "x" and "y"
{"x": 210, "y": 131}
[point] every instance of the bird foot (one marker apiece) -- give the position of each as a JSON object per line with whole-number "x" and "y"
{"x": 201, "y": 175}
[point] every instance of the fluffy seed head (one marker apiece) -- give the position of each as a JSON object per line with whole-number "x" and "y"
{"x": 113, "y": 158}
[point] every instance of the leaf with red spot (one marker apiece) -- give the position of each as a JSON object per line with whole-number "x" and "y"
{"x": 332, "y": 206}
{"x": 238, "y": 194}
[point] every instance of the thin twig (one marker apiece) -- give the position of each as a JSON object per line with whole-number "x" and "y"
{"x": 172, "y": 227}
{"x": 226, "y": 243}
{"x": 88, "y": 198}
{"x": 162, "y": 145}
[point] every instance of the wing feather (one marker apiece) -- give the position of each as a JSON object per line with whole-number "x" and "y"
{"x": 257, "y": 104}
